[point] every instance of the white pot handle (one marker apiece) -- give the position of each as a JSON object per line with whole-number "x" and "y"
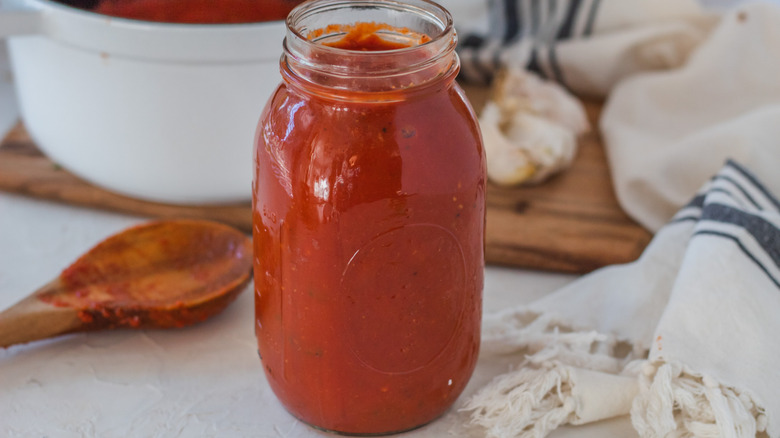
{"x": 19, "y": 20}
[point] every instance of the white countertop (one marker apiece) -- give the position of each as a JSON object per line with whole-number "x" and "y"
{"x": 201, "y": 381}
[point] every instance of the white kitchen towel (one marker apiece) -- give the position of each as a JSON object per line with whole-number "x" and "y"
{"x": 667, "y": 131}
{"x": 686, "y": 88}
{"x": 686, "y": 338}
{"x": 587, "y": 45}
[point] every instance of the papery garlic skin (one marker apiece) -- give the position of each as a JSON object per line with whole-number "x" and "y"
{"x": 518, "y": 90}
{"x": 530, "y": 128}
{"x": 528, "y": 149}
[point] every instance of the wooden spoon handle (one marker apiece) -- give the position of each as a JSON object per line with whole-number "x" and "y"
{"x": 32, "y": 319}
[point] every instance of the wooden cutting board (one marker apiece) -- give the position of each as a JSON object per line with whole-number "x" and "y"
{"x": 571, "y": 223}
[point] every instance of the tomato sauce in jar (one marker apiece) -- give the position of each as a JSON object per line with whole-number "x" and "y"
{"x": 368, "y": 212}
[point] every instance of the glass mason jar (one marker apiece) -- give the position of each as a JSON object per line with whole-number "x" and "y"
{"x": 368, "y": 210}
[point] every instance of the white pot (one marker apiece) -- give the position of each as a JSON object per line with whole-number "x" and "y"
{"x": 159, "y": 111}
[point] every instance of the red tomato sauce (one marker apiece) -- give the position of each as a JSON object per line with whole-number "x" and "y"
{"x": 367, "y": 37}
{"x": 369, "y": 260}
{"x": 198, "y": 11}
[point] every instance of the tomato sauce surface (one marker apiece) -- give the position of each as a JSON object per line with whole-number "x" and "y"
{"x": 367, "y": 37}
{"x": 368, "y": 238}
{"x": 198, "y": 11}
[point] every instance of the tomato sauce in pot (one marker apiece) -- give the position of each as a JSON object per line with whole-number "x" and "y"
{"x": 192, "y": 11}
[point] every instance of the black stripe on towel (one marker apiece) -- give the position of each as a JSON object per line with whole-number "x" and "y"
{"x": 536, "y": 17}
{"x": 697, "y": 201}
{"x": 513, "y": 26}
{"x": 567, "y": 28}
{"x": 766, "y": 234}
{"x": 728, "y": 193}
{"x": 472, "y": 41}
{"x": 534, "y": 66}
{"x": 740, "y": 188}
{"x": 756, "y": 183}
{"x": 743, "y": 249}
{"x": 514, "y": 20}
{"x": 594, "y": 7}
{"x": 551, "y": 55}
{"x": 475, "y": 43}
{"x": 684, "y": 219}
{"x": 555, "y": 67}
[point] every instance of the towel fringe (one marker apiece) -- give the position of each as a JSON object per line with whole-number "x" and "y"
{"x": 525, "y": 403}
{"x": 544, "y": 338}
{"x": 672, "y": 403}
{"x": 536, "y": 397}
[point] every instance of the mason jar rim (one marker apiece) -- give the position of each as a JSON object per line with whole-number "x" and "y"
{"x": 306, "y": 53}
{"x": 427, "y": 7}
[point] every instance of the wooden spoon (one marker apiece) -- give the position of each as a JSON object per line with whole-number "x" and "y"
{"x": 162, "y": 274}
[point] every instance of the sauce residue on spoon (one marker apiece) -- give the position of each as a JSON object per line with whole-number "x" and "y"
{"x": 159, "y": 275}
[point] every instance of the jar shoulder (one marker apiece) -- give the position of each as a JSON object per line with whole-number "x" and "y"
{"x": 293, "y": 119}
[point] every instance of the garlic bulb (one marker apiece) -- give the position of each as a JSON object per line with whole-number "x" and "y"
{"x": 530, "y": 128}
{"x": 528, "y": 149}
